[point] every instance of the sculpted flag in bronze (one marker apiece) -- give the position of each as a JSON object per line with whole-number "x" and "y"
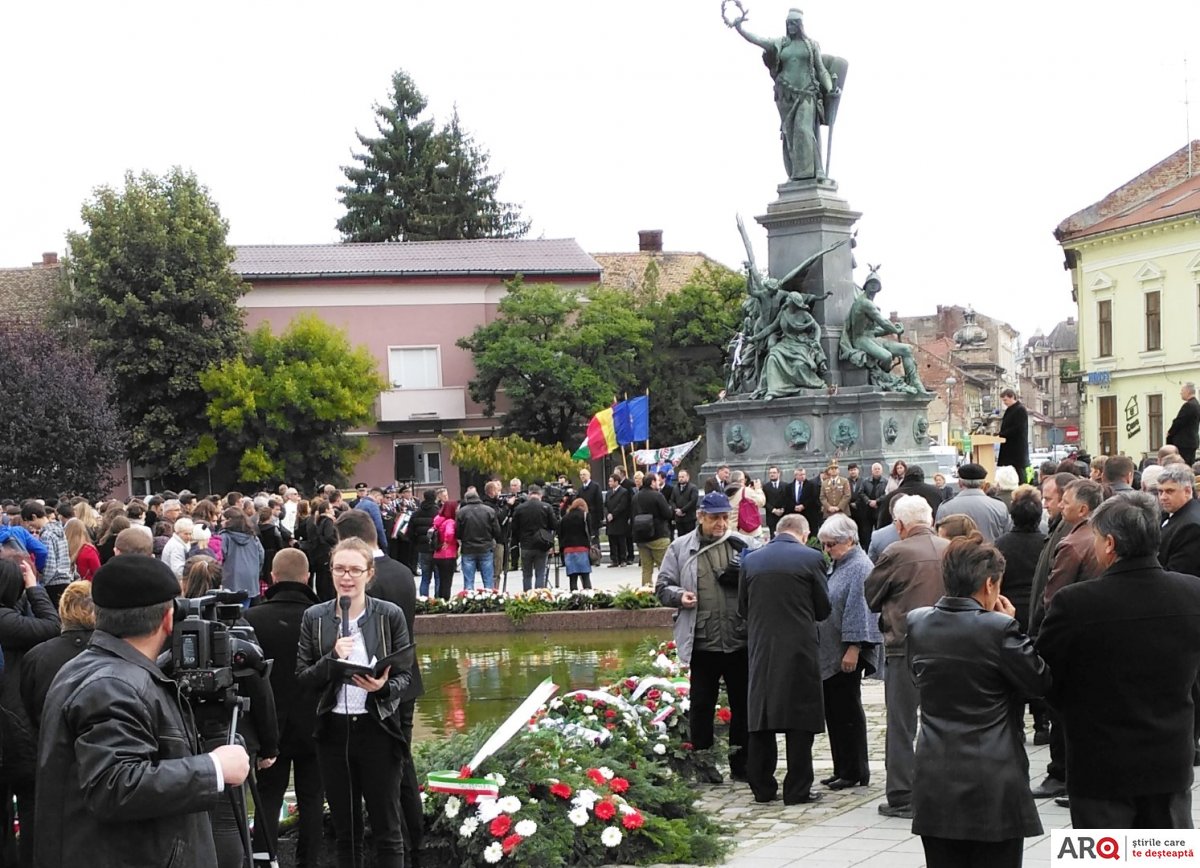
{"x": 807, "y": 88}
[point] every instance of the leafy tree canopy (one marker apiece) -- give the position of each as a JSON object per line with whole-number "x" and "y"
{"x": 557, "y": 356}
{"x": 60, "y": 434}
{"x": 413, "y": 182}
{"x": 511, "y": 456}
{"x": 152, "y": 293}
{"x": 283, "y": 410}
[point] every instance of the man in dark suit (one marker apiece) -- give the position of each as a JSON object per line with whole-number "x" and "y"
{"x": 1184, "y": 433}
{"x": 276, "y": 623}
{"x": 781, "y": 595}
{"x": 1014, "y": 428}
{"x": 1124, "y": 650}
{"x": 804, "y": 498}
{"x": 594, "y": 498}
{"x": 394, "y": 582}
{"x": 684, "y": 501}
{"x": 913, "y": 483}
{"x": 776, "y": 492}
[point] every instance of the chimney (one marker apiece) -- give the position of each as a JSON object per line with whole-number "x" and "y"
{"x": 50, "y": 258}
{"x": 1070, "y": 320}
{"x": 650, "y": 240}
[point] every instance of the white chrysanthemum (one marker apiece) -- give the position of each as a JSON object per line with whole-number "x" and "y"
{"x": 468, "y": 827}
{"x": 556, "y": 703}
{"x": 526, "y": 828}
{"x": 489, "y": 810}
{"x": 606, "y": 772}
{"x": 578, "y": 816}
{"x": 610, "y": 837}
{"x": 453, "y": 806}
{"x": 509, "y": 804}
{"x": 423, "y": 797}
{"x": 493, "y": 853}
{"x": 496, "y": 778}
{"x": 587, "y": 709}
{"x": 626, "y": 808}
{"x": 685, "y": 704}
{"x": 660, "y": 748}
{"x": 585, "y": 799}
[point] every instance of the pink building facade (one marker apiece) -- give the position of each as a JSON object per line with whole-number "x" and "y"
{"x": 408, "y": 303}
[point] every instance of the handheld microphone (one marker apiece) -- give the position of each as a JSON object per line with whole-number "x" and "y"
{"x": 344, "y": 603}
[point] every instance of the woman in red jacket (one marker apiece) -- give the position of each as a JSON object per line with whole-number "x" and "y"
{"x": 85, "y": 558}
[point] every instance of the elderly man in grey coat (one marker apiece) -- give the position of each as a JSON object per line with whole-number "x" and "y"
{"x": 699, "y": 577}
{"x": 989, "y": 514}
{"x": 782, "y": 595}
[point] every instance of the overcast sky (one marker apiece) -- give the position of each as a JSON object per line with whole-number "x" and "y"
{"x": 966, "y": 133}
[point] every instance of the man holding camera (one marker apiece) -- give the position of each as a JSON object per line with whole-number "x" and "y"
{"x": 120, "y": 779}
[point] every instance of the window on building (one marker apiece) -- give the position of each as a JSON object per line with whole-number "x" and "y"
{"x": 1104, "y": 323}
{"x": 414, "y": 368}
{"x": 418, "y": 462}
{"x": 1154, "y": 416}
{"x": 1063, "y": 389}
{"x": 1045, "y": 408}
{"x": 1108, "y": 425}
{"x": 1153, "y": 321}
{"x": 1064, "y": 408}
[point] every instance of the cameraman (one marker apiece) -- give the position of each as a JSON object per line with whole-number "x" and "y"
{"x": 121, "y": 780}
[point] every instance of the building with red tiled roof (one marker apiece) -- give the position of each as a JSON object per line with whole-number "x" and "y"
{"x": 25, "y": 292}
{"x": 1134, "y": 260}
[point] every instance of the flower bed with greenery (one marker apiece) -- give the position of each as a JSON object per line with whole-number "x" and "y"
{"x": 519, "y": 606}
{"x": 595, "y": 777}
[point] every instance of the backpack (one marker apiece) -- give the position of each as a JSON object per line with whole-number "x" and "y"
{"x": 748, "y": 520}
{"x": 433, "y": 536}
{"x": 643, "y": 527}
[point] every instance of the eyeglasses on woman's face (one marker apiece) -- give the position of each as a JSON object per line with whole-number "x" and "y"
{"x": 353, "y": 572}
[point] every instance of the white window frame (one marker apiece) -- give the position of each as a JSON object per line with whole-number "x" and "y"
{"x": 427, "y": 474}
{"x": 394, "y": 381}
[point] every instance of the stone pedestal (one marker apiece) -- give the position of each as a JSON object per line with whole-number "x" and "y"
{"x": 807, "y": 217}
{"x": 854, "y": 424}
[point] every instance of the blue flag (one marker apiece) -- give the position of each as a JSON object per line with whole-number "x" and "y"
{"x": 639, "y": 415}
{"x": 623, "y": 423}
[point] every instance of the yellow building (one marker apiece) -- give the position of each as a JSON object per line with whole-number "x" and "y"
{"x": 1134, "y": 259}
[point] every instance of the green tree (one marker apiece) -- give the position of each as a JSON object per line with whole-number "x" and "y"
{"x": 283, "y": 410}
{"x": 557, "y": 356}
{"x": 152, "y": 292}
{"x": 60, "y": 433}
{"x": 511, "y": 456}
{"x": 414, "y": 183}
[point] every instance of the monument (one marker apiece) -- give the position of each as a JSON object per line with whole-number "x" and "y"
{"x": 816, "y": 371}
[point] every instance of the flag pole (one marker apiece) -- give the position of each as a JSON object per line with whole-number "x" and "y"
{"x": 647, "y": 417}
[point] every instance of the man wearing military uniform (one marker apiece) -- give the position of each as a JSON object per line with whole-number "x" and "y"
{"x": 835, "y": 492}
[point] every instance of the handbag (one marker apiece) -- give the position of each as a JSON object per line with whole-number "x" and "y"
{"x": 594, "y": 555}
{"x": 543, "y": 540}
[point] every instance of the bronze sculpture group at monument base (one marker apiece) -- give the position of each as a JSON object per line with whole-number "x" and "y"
{"x": 816, "y": 371}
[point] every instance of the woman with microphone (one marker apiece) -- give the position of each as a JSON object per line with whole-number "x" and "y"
{"x": 359, "y": 740}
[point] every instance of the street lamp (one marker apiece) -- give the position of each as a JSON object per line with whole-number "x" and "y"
{"x": 950, "y": 381}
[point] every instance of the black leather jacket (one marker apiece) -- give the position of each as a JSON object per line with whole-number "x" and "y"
{"x": 120, "y": 778}
{"x": 384, "y": 633}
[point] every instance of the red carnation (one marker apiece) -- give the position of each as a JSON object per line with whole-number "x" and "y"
{"x": 632, "y": 821}
{"x": 464, "y": 772}
{"x": 596, "y": 777}
{"x": 611, "y": 726}
{"x": 500, "y": 826}
{"x": 579, "y": 697}
{"x": 618, "y": 785}
{"x": 671, "y": 646}
{"x": 631, "y": 683}
{"x": 563, "y": 791}
{"x": 653, "y": 693}
{"x": 510, "y": 843}
{"x": 610, "y": 714}
{"x": 651, "y": 704}
{"x": 605, "y": 810}
{"x": 687, "y": 745}
{"x": 724, "y": 715}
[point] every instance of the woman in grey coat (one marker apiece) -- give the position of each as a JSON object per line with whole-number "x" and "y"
{"x": 243, "y": 555}
{"x": 849, "y": 642}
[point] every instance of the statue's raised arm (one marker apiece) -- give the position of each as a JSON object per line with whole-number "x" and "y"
{"x": 737, "y": 21}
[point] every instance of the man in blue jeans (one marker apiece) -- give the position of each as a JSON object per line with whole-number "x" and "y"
{"x": 530, "y": 522}
{"x": 478, "y": 531}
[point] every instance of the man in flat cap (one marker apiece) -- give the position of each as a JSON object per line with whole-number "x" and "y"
{"x": 120, "y": 778}
{"x": 989, "y": 514}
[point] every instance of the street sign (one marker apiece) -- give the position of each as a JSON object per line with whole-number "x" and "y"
{"x": 1072, "y": 434}
{"x": 1099, "y": 378}
{"x": 1057, "y": 436}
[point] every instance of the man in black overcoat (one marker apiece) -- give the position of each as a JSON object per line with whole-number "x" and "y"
{"x": 591, "y": 494}
{"x": 776, "y": 492}
{"x": 1184, "y": 433}
{"x": 619, "y": 508}
{"x": 804, "y": 498}
{"x": 1014, "y": 428}
{"x": 1179, "y": 550}
{"x": 276, "y": 623}
{"x": 782, "y": 595}
{"x": 912, "y": 483}
{"x": 685, "y": 499}
{"x": 1124, "y": 650}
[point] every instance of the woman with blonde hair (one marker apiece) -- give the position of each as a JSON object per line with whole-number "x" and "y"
{"x": 86, "y": 513}
{"x": 956, "y": 525}
{"x": 42, "y": 662}
{"x": 200, "y": 575}
{"x": 85, "y": 557}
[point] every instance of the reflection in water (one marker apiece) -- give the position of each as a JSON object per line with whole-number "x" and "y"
{"x": 481, "y": 677}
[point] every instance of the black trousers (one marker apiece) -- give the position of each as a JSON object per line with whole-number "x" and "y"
{"x": 847, "y": 725}
{"x": 619, "y": 550}
{"x": 310, "y": 798}
{"x": 360, "y": 762}
{"x": 1057, "y": 767}
{"x": 410, "y": 790}
{"x": 763, "y": 757}
{"x": 444, "y": 569}
{"x": 949, "y": 853}
{"x": 1159, "y": 811}
{"x": 709, "y": 668}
